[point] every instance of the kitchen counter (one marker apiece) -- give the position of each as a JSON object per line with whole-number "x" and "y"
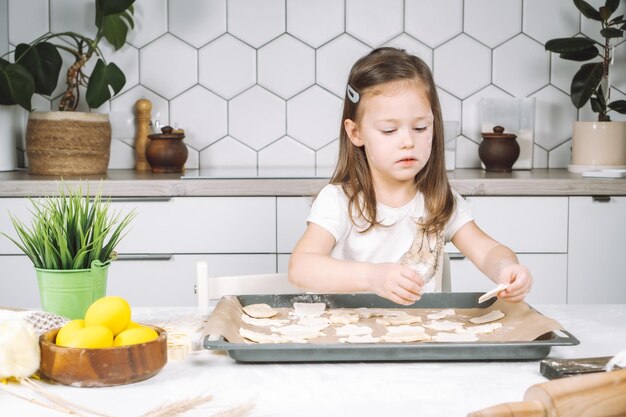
{"x": 336, "y": 389}
{"x": 194, "y": 183}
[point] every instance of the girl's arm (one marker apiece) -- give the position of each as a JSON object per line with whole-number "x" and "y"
{"x": 495, "y": 260}
{"x": 311, "y": 267}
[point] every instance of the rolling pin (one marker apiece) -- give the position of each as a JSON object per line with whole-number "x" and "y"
{"x": 143, "y": 109}
{"x": 594, "y": 395}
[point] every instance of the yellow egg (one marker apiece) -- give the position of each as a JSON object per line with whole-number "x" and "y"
{"x": 91, "y": 337}
{"x": 112, "y": 312}
{"x": 136, "y": 335}
{"x": 132, "y": 325}
{"x": 69, "y": 328}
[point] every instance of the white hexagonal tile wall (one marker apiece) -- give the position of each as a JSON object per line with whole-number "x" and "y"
{"x": 618, "y": 69}
{"x": 168, "y": 66}
{"x": 202, "y": 114}
{"x": 562, "y": 72}
{"x": 540, "y": 157}
{"x": 326, "y": 159}
{"x": 466, "y": 153}
{"x": 315, "y": 22}
{"x": 35, "y": 12}
{"x": 422, "y": 19}
{"x": 227, "y": 66}
{"x": 286, "y": 66}
{"x": 564, "y": 20}
{"x": 521, "y": 66}
{"x": 560, "y": 157}
{"x": 414, "y": 47}
{"x": 197, "y": 21}
{"x": 229, "y": 154}
{"x": 472, "y": 123}
{"x": 591, "y": 27}
{"x": 73, "y": 15}
{"x": 554, "y": 117}
{"x": 334, "y": 61}
{"x": 374, "y": 21}
{"x": 286, "y": 158}
{"x": 122, "y": 155}
{"x": 123, "y": 111}
{"x": 450, "y": 106}
{"x": 493, "y": 21}
{"x": 256, "y": 117}
{"x": 465, "y": 56}
{"x": 314, "y": 117}
{"x": 150, "y": 22}
{"x": 256, "y": 22}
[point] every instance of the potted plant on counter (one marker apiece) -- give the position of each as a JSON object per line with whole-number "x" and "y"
{"x": 71, "y": 243}
{"x": 68, "y": 142}
{"x": 599, "y": 144}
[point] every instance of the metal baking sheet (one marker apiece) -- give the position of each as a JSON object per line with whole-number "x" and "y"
{"x": 422, "y": 351}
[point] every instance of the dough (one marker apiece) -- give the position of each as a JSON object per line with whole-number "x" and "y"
{"x": 481, "y": 329}
{"x": 398, "y": 320}
{"x": 366, "y": 313}
{"x": 259, "y": 311}
{"x": 262, "y": 322}
{"x": 259, "y": 337}
{"x": 299, "y": 332}
{"x": 344, "y": 317}
{"x": 308, "y": 309}
{"x": 318, "y": 322}
{"x": 444, "y": 325}
{"x": 353, "y": 330}
{"x": 402, "y": 334}
{"x": 489, "y": 317}
{"x": 442, "y": 314}
{"x": 490, "y": 294}
{"x": 359, "y": 339}
{"x": 455, "y": 337}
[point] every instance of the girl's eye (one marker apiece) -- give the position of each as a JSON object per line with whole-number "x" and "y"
{"x": 421, "y": 129}
{"x": 389, "y": 131}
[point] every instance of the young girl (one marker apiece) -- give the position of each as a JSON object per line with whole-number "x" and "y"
{"x": 381, "y": 223}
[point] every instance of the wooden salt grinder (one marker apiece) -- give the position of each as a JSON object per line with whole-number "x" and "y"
{"x": 143, "y": 111}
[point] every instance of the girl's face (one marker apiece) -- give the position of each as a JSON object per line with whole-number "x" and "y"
{"x": 395, "y": 125}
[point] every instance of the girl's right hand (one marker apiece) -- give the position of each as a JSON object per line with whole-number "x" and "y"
{"x": 396, "y": 282}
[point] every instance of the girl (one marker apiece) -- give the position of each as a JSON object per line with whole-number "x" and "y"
{"x": 381, "y": 223}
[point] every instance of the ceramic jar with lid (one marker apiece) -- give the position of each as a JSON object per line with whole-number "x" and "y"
{"x": 498, "y": 150}
{"x": 166, "y": 151}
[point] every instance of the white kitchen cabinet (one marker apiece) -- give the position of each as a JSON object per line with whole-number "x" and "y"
{"x": 18, "y": 282}
{"x": 597, "y": 241}
{"x": 291, "y": 214}
{"x": 18, "y": 208}
{"x": 549, "y": 273}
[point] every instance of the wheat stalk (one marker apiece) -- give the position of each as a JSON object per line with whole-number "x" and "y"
{"x": 39, "y": 403}
{"x": 178, "y": 407}
{"x": 237, "y": 411}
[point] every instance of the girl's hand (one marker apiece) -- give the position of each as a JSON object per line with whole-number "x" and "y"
{"x": 519, "y": 279}
{"x": 396, "y": 282}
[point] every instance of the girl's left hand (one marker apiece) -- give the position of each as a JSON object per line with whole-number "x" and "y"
{"x": 519, "y": 279}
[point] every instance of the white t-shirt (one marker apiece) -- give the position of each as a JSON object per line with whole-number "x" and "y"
{"x": 379, "y": 244}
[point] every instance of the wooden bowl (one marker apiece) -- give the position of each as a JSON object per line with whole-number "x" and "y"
{"x": 80, "y": 367}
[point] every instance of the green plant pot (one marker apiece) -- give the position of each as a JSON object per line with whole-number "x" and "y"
{"x": 69, "y": 293}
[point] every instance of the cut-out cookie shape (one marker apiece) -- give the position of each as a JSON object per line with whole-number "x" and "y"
{"x": 259, "y": 311}
{"x": 487, "y": 318}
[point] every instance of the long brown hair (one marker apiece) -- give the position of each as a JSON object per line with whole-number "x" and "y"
{"x": 384, "y": 65}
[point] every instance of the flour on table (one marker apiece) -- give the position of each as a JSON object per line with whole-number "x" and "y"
{"x": 367, "y": 338}
{"x": 444, "y": 325}
{"x": 455, "y": 337}
{"x": 489, "y": 317}
{"x": 481, "y": 329}
{"x": 259, "y": 311}
{"x": 442, "y": 314}
{"x": 263, "y": 322}
{"x": 353, "y": 330}
{"x": 398, "y": 320}
{"x": 308, "y": 309}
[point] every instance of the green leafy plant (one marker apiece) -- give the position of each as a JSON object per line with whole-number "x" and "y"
{"x": 70, "y": 231}
{"x": 37, "y": 65}
{"x": 591, "y": 82}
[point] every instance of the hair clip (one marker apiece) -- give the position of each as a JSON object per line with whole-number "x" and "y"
{"x": 352, "y": 94}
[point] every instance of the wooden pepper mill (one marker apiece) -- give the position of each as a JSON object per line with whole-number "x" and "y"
{"x": 143, "y": 112}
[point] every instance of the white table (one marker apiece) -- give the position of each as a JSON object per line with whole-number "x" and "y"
{"x": 338, "y": 389}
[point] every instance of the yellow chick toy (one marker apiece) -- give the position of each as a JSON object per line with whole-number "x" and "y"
{"x": 19, "y": 349}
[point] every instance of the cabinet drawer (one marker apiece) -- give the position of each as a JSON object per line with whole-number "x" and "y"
{"x": 549, "y": 274}
{"x": 291, "y": 221}
{"x": 524, "y": 224}
{"x": 201, "y": 225}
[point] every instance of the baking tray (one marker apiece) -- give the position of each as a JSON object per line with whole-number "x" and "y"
{"x": 422, "y": 351}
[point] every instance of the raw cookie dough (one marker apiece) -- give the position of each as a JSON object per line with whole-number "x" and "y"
{"x": 367, "y": 338}
{"x": 491, "y": 316}
{"x": 442, "y": 314}
{"x": 398, "y": 320}
{"x": 492, "y": 293}
{"x": 344, "y": 317}
{"x": 299, "y": 332}
{"x": 262, "y": 322}
{"x": 481, "y": 329}
{"x": 366, "y": 313}
{"x": 259, "y": 337}
{"x": 353, "y": 330}
{"x": 444, "y": 325}
{"x": 318, "y": 322}
{"x": 402, "y": 334}
{"x": 259, "y": 311}
{"x": 455, "y": 337}
{"x": 308, "y": 309}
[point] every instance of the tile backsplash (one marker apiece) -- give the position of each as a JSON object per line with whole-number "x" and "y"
{"x": 258, "y": 84}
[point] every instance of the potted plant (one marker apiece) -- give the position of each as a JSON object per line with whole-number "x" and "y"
{"x": 68, "y": 142}
{"x": 599, "y": 144}
{"x": 71, "y": 242}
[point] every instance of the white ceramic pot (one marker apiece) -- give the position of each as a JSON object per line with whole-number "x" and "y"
{"x": 12, "y": 125}
{"x": 598, "y": 145}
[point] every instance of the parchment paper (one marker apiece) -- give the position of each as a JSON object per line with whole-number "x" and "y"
{"x": 520, "y": 324}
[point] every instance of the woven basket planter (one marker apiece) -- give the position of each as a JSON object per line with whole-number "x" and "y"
{"x": 68, "y": 143}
